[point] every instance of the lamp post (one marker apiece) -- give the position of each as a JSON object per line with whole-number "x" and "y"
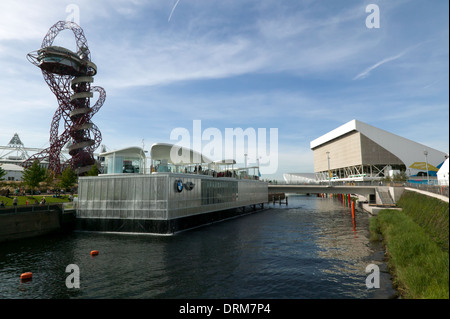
{"x": 426, "y": 163}
{"x": 245, "y": 163}
{"x": 329, "y": 173}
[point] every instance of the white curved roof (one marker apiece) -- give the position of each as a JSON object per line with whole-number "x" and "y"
{"x": 176, "y": 154}
{"x": 132, "y": 151}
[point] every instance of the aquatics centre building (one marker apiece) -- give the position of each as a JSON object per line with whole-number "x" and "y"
{"x": 356, "y": 151}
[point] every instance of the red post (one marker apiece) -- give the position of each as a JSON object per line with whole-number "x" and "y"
{"x": 353, "y": 215}
{"x": 353, "y": 209}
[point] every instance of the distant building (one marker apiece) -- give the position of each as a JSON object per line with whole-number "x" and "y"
{"x": 13, "y": 172}
{"x": 442, "y": 174}
{"x": 357, "y": 151}
{"x": 13, "y": 153}
{"x": 16, "y": 153}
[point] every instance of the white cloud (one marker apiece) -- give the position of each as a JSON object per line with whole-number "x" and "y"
{"x": 173, "y": 9}
{"x": 367, "y": 71}
{"x": 151, "y": 53}
{"x": 298, "y": 43}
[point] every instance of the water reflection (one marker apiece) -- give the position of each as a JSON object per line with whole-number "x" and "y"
{"x": 306, "y": 250}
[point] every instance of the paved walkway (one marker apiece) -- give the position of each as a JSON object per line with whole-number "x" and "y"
{"x": 441, "y": 197}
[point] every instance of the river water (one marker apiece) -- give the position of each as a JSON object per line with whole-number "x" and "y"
{"x": 308, "y": 249}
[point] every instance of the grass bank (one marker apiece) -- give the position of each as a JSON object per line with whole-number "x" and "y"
{"x": 416, "y": 242}
{"x": 430, "y": 213}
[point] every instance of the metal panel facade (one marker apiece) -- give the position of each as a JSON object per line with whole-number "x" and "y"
{"x": 156, "y": 196}
{"x": 345, "y": 151}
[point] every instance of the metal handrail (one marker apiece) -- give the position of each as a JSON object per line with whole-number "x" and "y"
{"x": 31, "y": 207}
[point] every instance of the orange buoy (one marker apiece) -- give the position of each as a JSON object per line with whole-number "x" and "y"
{"x": 26, "y": 276}
{"x": 94, "y": 252}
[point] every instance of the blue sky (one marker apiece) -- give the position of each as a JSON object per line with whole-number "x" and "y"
{"x": 303, "y": 67}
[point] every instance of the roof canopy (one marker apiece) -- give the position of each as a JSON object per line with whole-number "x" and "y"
{"x": 176, "y": 154}
{"x": 126, "y": 152}
{"x": 424, "y": 166}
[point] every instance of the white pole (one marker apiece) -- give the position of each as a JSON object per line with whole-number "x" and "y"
{"x": 114, "y": 163}
{"x": 329, "y": 173}
{"x": 246, "y": 163}
{"x": 426, "y": 164}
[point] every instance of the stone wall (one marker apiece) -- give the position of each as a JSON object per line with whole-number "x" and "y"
{"x": 25, "y": 224}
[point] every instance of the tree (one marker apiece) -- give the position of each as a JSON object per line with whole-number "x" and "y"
{"x": 400, "y": 177}
{"x": 49, "y": 179}
{"x": 34, "y": 174}
{"x": 68, "y": 178}
{"x": 387, "y": 179}
{"x": 2, "y": 173}
{"x": 93, "y": 171}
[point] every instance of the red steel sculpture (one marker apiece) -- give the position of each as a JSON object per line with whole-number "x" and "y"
{"x": 69, "y": 76}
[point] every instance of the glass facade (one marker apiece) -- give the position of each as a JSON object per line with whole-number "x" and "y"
{"x": 164, "y": 195}
{"x": 120, "y": 165}
{"x": 219, "y": 191}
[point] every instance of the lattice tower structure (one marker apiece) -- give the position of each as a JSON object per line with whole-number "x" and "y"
{"x": 70, "y": 76}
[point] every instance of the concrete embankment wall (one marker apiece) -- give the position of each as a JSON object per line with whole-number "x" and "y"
{"x": 25, "y": 223}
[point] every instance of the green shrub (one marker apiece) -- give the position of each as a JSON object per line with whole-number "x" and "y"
{"x": 420, "y": 267}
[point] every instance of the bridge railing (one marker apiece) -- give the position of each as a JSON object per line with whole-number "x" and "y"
{"x": 436, "y": 189}
{"x": 433, "y": 188}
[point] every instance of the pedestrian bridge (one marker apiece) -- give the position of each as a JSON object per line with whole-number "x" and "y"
{"x": 365, "y": 191}
{"x": 379, "y": 195}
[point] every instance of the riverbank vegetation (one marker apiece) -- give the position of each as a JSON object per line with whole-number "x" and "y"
{"x": 416, "y": 243}
{"x": 38, "y": 180}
